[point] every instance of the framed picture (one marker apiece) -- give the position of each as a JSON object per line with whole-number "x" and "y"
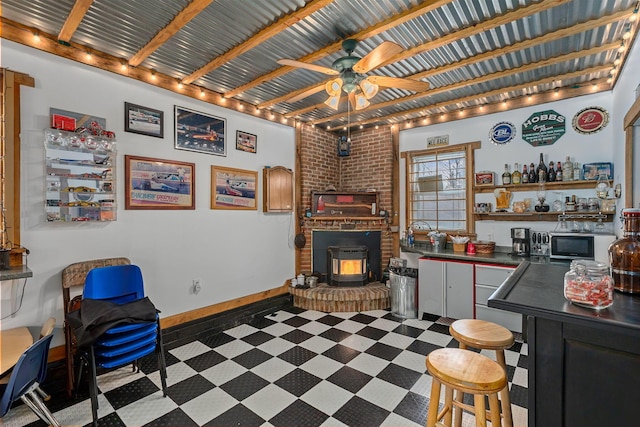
{"x": 246, "y": 141}
{"x": 233, "y": 188}
{"x": 143, "y": 120}
{"x": 200, "y": 132}
{"x": 159, "y": 184}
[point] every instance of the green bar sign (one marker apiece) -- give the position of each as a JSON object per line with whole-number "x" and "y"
{"x": 543, "y": 128}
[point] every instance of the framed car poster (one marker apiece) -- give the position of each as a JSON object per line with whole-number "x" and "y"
{"x": 233, "y": 188}
{"x": 200, "y": 132}
{"x": 158, "y": 184}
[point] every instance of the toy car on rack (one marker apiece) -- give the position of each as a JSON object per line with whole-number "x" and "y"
{"x": 80, "y": 189}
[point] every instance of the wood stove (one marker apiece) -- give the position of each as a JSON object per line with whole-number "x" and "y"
{"x": 347, "y": 265}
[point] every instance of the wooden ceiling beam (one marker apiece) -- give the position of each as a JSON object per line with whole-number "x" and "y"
{"x": 526, "y": 44}
{"x": 176, "y": 24}
{"x": 483, "y": 79}
{"x": 480, "y": 27}
{"x": 72, "y": 22}
{"x": 549, "y": 96}
{"x": 259, "y": 38}
{"x": 407, "y": 15}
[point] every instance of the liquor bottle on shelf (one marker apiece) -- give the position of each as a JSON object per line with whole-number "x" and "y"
{"x": 567, "y": 170}
{"x": 551, "y": 174}
{"x": 533, "y": 175}
{"x": 559, "y": 176}
{"x": 542, "y": 170}
{"x": 576, "y": 171}
{"x": 506, "y": 176}
{"x": 525, "y": 175}
{"x": 516, "y": 176}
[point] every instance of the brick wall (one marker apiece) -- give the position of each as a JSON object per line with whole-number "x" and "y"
{"x": 369, "y": 166}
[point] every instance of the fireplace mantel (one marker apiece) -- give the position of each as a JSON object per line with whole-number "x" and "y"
{"x": 334, "y": 205}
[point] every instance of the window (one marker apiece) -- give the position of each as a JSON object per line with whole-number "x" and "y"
{"x": 438, "y": 189}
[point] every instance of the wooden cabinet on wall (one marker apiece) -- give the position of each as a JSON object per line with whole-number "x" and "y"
{"x": 278, "y": 189}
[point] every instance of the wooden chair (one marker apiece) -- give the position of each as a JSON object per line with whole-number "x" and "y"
{"x": 464, "y": 371}
{"x": 483, "y": 335}
{"x": 73, "y": 276}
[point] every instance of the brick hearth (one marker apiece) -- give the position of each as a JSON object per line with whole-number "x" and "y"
{"x": 374, "y": 296}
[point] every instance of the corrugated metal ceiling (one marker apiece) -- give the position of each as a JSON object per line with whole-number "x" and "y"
{"x": 531, "y": 34}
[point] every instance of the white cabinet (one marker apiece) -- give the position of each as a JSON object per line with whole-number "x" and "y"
{"x": 445, "y": 288}
{"x": 488, "y": 279}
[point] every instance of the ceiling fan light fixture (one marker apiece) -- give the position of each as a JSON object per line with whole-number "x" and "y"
{"x": 333, "y": 101}
{"x": 368, "y": 89}
{"x": 361, "y": 101}
{"x": 333, "y": 87}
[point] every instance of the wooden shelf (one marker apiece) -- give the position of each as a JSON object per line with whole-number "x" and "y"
{"x": 346, "y": 218}
{"x": 582, "y": 184}
{"x": 532, "y": 216}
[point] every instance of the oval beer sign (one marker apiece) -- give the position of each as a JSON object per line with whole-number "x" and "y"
{"x": 543, "y": 128}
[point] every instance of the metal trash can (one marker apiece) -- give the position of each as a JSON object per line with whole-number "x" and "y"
{"x": 404, "y": 299}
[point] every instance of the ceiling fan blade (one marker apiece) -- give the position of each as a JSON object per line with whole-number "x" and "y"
{"x": 306, "y": 93}
{"x": 312, "y": 67}
{"x": 377, "y": 56}
{"x": 408, "y": 84}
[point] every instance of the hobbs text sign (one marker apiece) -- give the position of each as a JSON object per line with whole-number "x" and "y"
{"x": 543, "y": 128}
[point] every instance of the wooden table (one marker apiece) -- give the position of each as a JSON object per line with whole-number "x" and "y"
{"x": 13, "y": 342}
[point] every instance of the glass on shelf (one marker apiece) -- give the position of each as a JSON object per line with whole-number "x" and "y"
{"x": 602, "y": 186}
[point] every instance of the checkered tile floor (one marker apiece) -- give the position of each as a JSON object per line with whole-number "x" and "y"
{"x": 292, "y": 368}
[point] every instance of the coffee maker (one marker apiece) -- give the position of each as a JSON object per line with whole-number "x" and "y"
{"x": 521, "y": 244}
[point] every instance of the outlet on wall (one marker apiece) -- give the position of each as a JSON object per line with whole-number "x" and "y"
{"x": 196, "y": 285}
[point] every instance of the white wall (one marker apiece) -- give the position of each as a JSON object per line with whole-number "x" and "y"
{"x": 624, "y": 94}
{"x": 235, "y": 253}
{"x": 604, "y": 146}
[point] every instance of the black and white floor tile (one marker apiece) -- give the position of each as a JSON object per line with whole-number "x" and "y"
{"x": 292, "y": 368}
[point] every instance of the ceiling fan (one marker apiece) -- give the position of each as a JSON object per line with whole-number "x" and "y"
{"x": 352, "y": 79}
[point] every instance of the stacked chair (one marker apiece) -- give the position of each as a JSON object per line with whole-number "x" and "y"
{"x": 128, "y": 342}
{"x": 73, "y": 277}
{"x": 23, "y": 384}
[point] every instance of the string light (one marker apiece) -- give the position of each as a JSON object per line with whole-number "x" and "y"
{"x": 123, "y": 66}
{"x": 153, "y": 75}
{"x": 202, "y": 93}
{"x": 180, "y": 85}
{"x": 36, "y": 36}
{"x": 88, "y": 56}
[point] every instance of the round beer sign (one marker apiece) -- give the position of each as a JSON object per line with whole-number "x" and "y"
{"x": 590, "y": 120}
{"x": 502, "y": 133}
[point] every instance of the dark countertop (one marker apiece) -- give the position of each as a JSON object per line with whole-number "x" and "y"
{"x": 537, "y": 290}
{"x": 18, "y": 272}
{"x": 500, "y": 256}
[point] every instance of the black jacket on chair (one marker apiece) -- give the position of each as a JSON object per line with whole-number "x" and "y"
{"x": 94, "y": 317}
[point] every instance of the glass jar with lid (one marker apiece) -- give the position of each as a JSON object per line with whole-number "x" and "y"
{"x": 588, "y": 284}
{"x": 624, "y": 254}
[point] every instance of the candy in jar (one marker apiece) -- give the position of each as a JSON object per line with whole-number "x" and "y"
{"x": 589, "y": 284}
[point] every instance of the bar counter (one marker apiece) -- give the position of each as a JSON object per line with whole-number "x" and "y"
{"x": 583, "y": 364}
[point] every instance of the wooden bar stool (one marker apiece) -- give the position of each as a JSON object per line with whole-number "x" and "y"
{"x": 467, "y": 372}
{"x": 485, "y": 335}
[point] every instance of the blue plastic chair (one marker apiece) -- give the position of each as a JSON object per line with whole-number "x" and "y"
{"x": 24, "y": 381}
{"x": 125, "y": 344}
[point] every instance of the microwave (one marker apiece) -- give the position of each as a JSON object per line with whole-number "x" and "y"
{"x": 580, "y": 245}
